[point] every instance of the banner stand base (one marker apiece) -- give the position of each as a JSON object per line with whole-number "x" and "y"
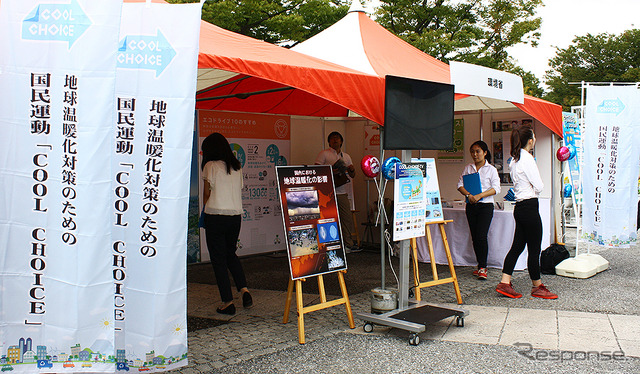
{"x": 582, "y": 266}
{"x": 322, "y": 305}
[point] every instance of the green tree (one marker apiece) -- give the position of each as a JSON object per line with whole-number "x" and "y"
{"x": 474, "y": 31}
{"x": 274, "y": 21}
{"x": 592, "y": 58}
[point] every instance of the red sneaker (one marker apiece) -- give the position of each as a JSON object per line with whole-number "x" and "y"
{"x": 543, "y": 292}
{"x": 475, "y": 272}
{"x": 507, "y": 290}
{"x": 482, "y": 273}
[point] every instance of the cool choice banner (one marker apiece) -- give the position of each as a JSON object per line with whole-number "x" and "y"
{"x": 92, "y": 246}
{"x": 611, "y": 153}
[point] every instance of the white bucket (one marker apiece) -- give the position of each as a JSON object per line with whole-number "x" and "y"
{"x": 383, "y": 301}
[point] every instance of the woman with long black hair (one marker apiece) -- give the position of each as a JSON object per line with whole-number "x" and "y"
{"x": 479, "y": 208}
{"x": 222, "y": 175}
{"x": 527, "y": 188}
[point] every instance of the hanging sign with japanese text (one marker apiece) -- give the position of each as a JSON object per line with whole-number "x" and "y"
{"x": 57, "y": 78}
{"x": 151, "y": 158}
{"x": 611, "y": 153}
{"x": 95, "y": 176}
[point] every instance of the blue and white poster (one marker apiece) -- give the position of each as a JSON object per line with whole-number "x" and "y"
{"x": 573, "y": 138}
{"x": 611, "y": 153}
{"x": 433, "y": 203}
{"x": 409, "y": 201}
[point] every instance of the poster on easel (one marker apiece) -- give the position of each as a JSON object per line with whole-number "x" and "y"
{"x": 433, "y": 202}
{"x": 311, "y": 221}
{"x": 409, "y": 200}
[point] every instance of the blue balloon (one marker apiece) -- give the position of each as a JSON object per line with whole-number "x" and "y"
{"x": 572, "y": 151}
{"x": 389, "y": 167}
{"x": 567, "y": 190}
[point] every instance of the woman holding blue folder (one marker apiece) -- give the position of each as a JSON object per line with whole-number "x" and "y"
{"x": 478, "y": 183}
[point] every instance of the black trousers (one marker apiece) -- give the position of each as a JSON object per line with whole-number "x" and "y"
{"x": 479, "y": 217}
{"x": 222, "y": 238}
{"x": 529, "y": 233}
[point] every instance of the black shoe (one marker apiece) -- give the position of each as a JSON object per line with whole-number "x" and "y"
{"x": 230, "y": 310}
{"x": 247, "y": 300}
{"x": 353, "y": 249}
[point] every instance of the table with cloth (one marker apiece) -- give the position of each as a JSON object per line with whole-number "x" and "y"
{"x": 500, "y": 237}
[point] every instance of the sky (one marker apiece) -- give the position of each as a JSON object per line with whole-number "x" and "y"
{"x": 562, "y": 21}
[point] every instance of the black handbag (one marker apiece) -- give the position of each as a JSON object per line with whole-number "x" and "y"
{"x": 552, "y": 256}
{"x": 340, "y": 177}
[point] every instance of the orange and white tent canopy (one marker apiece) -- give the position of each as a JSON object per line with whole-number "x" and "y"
{"x": 339, "y": 69}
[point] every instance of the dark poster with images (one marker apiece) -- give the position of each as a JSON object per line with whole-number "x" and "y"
{"x": 311, "y": 223}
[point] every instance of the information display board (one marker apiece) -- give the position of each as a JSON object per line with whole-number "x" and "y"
{"x": 409, "y": 197}
{"x": 260, "y": 142}
{"x": 433, "y": 203}
{"x": 573, "y": 137}
{"x": 311, "y": 222}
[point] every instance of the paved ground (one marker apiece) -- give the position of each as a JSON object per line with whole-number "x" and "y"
{"x": 593, "y": 327}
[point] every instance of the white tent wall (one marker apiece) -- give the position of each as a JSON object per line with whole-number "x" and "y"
{"x": 448, "y": 172}
{"x": 309, "y": 134}
{"x": 309, "y": 137}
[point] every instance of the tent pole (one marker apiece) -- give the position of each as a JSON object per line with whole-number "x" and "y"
{"x": 383, "y": 242}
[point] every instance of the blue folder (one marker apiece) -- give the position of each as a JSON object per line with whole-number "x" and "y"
{"x": 472, "y": 183}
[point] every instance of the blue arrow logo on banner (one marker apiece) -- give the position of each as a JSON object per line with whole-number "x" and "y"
{"x": 611, "y": 106}
{"x": 57, "y": 22}
{"x": 145, "y": 52}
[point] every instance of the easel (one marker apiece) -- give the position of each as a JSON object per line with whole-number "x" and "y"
{"x": 435, "y": 282}
{"x": 415, "y": 315}
{"x": 322, "y": 305}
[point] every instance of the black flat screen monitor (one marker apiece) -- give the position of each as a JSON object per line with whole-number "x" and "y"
{"x": 417, "y": 114}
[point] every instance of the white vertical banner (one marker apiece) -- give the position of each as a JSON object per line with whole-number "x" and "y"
{"x": 151, "y": 152}
{"x": 610, "y": 173}
{"x": 57, "y": 79}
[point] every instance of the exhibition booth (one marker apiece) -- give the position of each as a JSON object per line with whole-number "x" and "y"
{"x": 335, "y": 82}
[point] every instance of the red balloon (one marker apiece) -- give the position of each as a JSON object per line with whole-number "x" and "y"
{"x": 370, "y": 166}
{"x": 563, "y": 153}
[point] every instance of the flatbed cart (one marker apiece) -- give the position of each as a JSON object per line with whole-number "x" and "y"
{"x": 413, "y": 315}
{"x": 414, "y": 318}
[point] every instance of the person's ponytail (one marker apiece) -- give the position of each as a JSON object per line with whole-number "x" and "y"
{"x": 520, "y": 135}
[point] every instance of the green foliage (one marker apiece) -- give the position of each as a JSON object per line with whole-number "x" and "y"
{"x": 593, "y": 58}
{"x": 274, "y": 21}
{"x": 474, "y": 31}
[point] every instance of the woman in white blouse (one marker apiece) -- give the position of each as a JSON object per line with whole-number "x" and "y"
{"x": 527, "y": 188}
{"x": 479, "y": 208}
{"x": 222, "y": 174}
